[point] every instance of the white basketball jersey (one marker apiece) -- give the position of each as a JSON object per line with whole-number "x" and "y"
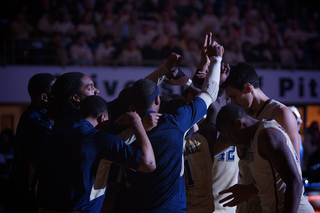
{"x": 265, "y": 177}
{"x": 197, "y": 174}
{"x": 253, "y": 204}
{"x": 224, "y": 175}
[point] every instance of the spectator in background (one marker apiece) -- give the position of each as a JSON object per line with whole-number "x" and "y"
{"x": 130, "y": 55}
{"x": 233, "y": 53}
{"x": 290, "y": 54}
{"x": 66, "y": 26}
{"x": 310, "y": 143}
{"x": 310, "y": 32}
{"x": 125, "y": 13}
{"x": 229, "y": 34}
{"x": 231, "y": 16}
{"x": 315, "y": 53}
{"x": 313, "y": 168}
{"x": 271, "y": 51}
{"x": 132, "y": 27}
{"x": 172, "y": 46}
{"x": 145, "y": 36}
{"x": 293, "y": 31}
{"x": 210, "y": 19}
{"x": 105, "y": 52}
{"x": 193, "y": 26}
{"x": 165, "y": 21}
{"x": 87, "y": 28}
{"x": 251, "y": 55}
{"x": 274, "y": 31}
{"x": 80, "y": 52}
{"x": 191, "y": 54}
{"x": 165, "y": 34}
{"x": 55, "y": 52}
{"x": 109, "y": 25}
{"x": 47, "y": 25}
{"x": 152, "y": 52}
{"x": 20, "y": 28}
{"x": 250, "y": 33}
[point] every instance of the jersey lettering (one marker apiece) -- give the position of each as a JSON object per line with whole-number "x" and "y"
{"x": 228, "y": 156}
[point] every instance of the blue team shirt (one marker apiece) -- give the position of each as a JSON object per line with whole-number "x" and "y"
{"x": 33, "y": 129}
{"x": 69, "y": 164}
{"x": 163, "y": 190}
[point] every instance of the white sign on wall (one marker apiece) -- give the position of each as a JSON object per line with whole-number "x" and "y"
{"x": 289, "y": 87}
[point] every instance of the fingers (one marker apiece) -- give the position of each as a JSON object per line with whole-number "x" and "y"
{"x": 205, "y": 43}
{"x": 226, "y": 198}
{"x": 225, "y": 191}
{"x": 230, "y": 204}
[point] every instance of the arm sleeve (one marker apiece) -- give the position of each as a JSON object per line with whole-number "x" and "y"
{"x": 210, "y": 87}
{"x": 115, "y": 150}
{"x": 158, "y": 75}
{"x": 186, "y": 116}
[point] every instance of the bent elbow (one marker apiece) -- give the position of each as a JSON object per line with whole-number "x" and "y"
{"x": 147, "y": 167}
{"x": 152, "y": 167}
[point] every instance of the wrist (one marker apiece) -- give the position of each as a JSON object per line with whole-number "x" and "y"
{"x": 217, "y": 58}
{"x": 187, "y": 83}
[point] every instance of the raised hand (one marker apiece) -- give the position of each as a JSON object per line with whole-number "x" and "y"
{"x": 204, "y": 59}
{"x": 213, "y": 48}
{"x": 173, "y": 60}
{"x": 176, "y": 77}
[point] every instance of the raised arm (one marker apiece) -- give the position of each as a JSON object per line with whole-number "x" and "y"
{"x": 272, "y": 146}
{"x": 148, "y": 162}
{"x": 210, "y": 87}
{"x": 159, "y": 75}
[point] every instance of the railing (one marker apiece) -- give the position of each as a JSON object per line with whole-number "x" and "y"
{"x": 35, "y": 52}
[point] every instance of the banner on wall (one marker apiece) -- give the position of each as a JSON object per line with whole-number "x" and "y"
{"x": 289, "y": 87}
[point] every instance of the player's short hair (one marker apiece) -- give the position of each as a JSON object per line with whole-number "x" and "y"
{"x": 143, "y": 93}
{"x": 228, "y": 114}
{"x": 40, "y": 83}
{"x": 63, "y": 88}
{"x": 239, "y": 75}
{"x": 93, "y": 106}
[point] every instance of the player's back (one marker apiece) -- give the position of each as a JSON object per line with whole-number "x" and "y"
{"x": 197, "y": 174}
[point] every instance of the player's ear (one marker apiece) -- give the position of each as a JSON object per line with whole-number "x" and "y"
{"x": 75, "y": 97}
{"x": 248, "y": 87}
{"x": 238, "y": 123}
{"x": 44, "y": 97}
{"x": 157, "y": 100}
{"x": 102, "y": 118}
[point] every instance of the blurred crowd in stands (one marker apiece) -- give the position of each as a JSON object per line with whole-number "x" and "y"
{"x": 266, "y": 33}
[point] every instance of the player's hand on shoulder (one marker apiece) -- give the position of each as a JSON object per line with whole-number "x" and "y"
{"x": 150, "y": 121}
{"x": 130, "y": 119}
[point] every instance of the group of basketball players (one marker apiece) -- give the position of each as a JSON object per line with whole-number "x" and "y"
{"x": 191, "y": 153}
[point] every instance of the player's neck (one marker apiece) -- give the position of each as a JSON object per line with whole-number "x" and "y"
{"x": 258, "y": 101}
